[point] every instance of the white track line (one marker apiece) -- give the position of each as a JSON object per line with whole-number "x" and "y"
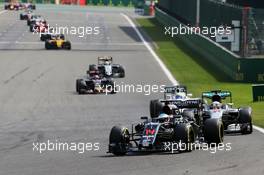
{"x": 259, "y": 129}
{"x": 162, "y": 65}
{"x": 74, "y": 43}
{"x": 164, "y": 68}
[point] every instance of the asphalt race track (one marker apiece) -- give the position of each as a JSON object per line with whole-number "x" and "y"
{"x": 39, "y": 103}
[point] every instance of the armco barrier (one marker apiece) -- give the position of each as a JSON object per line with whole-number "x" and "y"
{"x": 106, "y": 2}
{"x": 234, "y": 67}
{"x": 116, "y": 2}
{"x": 95, "y": 2}
{"x": 125, "y": 2}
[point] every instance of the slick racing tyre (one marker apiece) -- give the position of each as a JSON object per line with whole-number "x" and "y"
{"x": 119, "y": 140}
{"x": 245, "y": 120}
{"x": 121, "y": 72}
{"x": 31, "y": 28}
{"x": 92, "y": 67}
{"x": 43, "y": 37}
{"x": 66, "y": 45}
{"x": 49, "y": 45}
{"x": 184, "y": 135}
{"x": 155, "y": 107}
{"x": 213, "y": 130}
{"x": 79, "y": 86}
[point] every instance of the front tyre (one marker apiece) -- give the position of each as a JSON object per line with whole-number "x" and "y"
{"x": 119, "y": 140}
{"x": 67, "y": 45}
{"x": 184, "y": 135}
{"x": 213, "y": 130}
{"x": 48, "y": 45}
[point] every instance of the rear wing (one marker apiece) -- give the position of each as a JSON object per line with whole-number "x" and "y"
{"x": 103, "y": 59}
{"x": 222, "y": 94}
{"x": 170, "y": 89}
{"x": 190, "y": 103}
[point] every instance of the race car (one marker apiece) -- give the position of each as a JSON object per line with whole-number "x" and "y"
{"x": 26, "y": 15}
{"x": 106, "y": 68}
{"x": 172, "y": 126}
{"x": 221, "y": 106}
{"x": 12, "y": 6}
{"x": 95, "y": 85}
{"x": 151, "y": 135}
{"x": 29, "y": 6}
{"x": 32, "y": 20}
{"x": 57, "y": 42}
{"x": 170, "y": 93}
{"x": 40, "y": 26}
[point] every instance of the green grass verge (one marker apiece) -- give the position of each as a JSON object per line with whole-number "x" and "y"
{"x": 198, "y": 76}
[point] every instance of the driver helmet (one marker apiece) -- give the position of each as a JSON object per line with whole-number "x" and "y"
{"x": 164, "y": 117}
{"x": 216, "y": 105}
{"x": 96, "y": 77}
{"x": 107, "y": 62}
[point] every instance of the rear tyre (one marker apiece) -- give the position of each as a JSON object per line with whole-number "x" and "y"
{"x": 119, "y": 140}
{"x": 92, "y": 67}
{"x": 245, "y": 120}
{"x": 155, "y": 107}
{"x": 213, "y": 130}
{"x": 122, "y": 72}
{"x": 43, "y": 37}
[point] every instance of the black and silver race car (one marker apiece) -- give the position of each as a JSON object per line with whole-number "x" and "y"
{"x": 29, "y": 6}
{"x": 172, "y": 126}
{"x": 34, "y": 18}
{"x": 170, "y": 93}
{"x": 26, "y": 15}
{"x": 221, "y": 106}
{"x": 95, "y": 85}
{"x": 106, "y": 68}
